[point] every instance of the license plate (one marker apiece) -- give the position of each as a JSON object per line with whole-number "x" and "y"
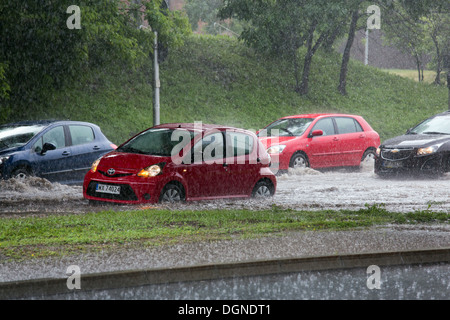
{"x": 392, "y": 164}
{"x": 104, "y": 188}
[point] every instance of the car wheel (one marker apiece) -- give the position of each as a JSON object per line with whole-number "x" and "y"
{"x": 172, "y": 193}
{"x": 20, "y": 173}
{"x": 262, "y": 189}
{"x": 299, "y": 160}
{"x": 368, "y": 155}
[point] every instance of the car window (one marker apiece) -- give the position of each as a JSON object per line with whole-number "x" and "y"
{"x": 347, "y": 125}
{"x": 286, "y": 127}
{"x": 17, "y": 135}
{"x": 326, "y": 125}
{"x": 210, "y": 147}
{"x": 239, "y": 144}
{"x": 55, "y": 136}
{"x": 81, "y": 134}
{"x": 435, "y": 125}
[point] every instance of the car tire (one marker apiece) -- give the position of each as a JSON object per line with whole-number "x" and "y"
{"x": 172, "y": 193}
{"x": 20, "y": 173}
{"x": 299, "y": 160}
{"x": 262, "y": 189}
{"x": 368, "y": 154}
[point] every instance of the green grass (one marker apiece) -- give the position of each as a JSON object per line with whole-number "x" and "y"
{"x": 428, "y": 75}
{"x": 220, "y": 80}
{"x": 24, "y": 238}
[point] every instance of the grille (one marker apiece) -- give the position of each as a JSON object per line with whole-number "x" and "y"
{"x": 118, "y": 175}
{"x": 396, "y": 154}
{"x": 126, "y": 192}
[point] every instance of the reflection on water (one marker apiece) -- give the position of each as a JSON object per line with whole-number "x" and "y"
{"x": 417, "y": 282}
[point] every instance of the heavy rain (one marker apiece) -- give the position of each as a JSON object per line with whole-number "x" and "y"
{"x": 352, "y": 77}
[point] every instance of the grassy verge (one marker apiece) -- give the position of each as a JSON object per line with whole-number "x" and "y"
{"x": 31, "y": 237}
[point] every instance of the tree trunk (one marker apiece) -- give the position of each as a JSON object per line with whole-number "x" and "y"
{"x": 303, "y": 89}
{"x": 437, "y": 80}
{"x": 448, "y": 86}
{"x": 346, "y": 56}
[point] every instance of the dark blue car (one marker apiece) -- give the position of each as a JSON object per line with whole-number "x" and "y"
{"x": 60, "y": 151}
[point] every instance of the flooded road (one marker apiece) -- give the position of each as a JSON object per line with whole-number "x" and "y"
{"x": 304, "y": 189}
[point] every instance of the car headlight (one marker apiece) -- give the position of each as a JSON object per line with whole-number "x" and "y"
{"x": 276, "y": 149}
{"x": 3, "y": 159}
{"x": 428, "y": 150}
{"x": 151, "y": 171}
{"x": 95, "y": 165}
{"x": 378, "y": 152}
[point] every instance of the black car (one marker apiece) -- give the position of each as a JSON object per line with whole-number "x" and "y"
{"x": 423, "y": 149}
{"x": 61, "y": 151}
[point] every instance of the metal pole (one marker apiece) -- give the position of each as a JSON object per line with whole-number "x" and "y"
{"x": 366, "y": 55}
{"x": 157, "y": 82}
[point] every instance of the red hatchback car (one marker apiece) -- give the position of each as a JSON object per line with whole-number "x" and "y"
{"x": 319, "y": 141}
{"x": 176, "y": 162}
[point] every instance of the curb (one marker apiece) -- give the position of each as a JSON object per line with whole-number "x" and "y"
{"x": 41, "y": 288}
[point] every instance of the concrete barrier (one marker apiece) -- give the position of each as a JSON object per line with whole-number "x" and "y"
{"x": 41, "y": 288}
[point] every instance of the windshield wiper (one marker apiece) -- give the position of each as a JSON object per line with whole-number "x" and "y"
{"x": 434, "y": 132}
{"x": 288, "y": 131}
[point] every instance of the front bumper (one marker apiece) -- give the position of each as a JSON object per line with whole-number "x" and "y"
{"x": 133, "y": 190}
{"x": 413, "y": 164}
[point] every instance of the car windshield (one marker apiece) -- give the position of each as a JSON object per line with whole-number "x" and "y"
{"x": 286, "y": 127}
{"x": 436, "y": 125}
{"x": 157, "y": 142}
{"x": 12, "y": 136}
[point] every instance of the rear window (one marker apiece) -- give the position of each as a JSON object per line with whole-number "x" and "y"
{"x": 347, "y": 125}
{"x": 81, "y": 134}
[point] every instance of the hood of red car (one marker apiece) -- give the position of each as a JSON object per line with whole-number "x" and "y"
{"x": 129, "y": 161}
{"x": 272, "y": 141}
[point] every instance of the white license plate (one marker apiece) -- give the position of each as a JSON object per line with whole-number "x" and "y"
{"x": 392, "y": 164}
{"x": 104, "y": 188}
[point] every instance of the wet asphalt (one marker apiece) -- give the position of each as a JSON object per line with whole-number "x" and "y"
{"x": 288, "y": 245}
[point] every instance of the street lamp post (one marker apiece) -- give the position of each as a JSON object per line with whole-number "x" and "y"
{"x": 156, "y": 81}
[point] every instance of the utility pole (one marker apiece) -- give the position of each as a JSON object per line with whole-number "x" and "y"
{"x": 157, "y": 82}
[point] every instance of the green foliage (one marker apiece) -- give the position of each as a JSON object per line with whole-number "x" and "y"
{"x": 43, "y": 54}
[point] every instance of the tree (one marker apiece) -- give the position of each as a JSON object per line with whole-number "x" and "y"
{"x": 42, "y": 54}
{"x": 281, "y": 27}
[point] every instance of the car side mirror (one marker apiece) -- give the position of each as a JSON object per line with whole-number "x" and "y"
{"x": 316, "y": 133}
{"x": 47, "y": 146}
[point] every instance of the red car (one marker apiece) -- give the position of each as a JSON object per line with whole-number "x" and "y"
{"x": 319, "y": 141}
{"x": 176, "y": 162}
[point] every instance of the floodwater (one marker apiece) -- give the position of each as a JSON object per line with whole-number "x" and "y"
{"x": 303, "y": 189}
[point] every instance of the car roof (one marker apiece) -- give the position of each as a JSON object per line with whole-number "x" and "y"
{"x": 43, "y": 122}
{"x": 196, "y": 126}
{"x": 316, "y": 115}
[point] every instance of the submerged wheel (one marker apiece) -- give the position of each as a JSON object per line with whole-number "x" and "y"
{"x": 368, "y": 155}
{"x": 299, "y": 160}
{"x": 20, "y": 173}
{"x": 262, "y": 189}
{"x": 172, "y": 193}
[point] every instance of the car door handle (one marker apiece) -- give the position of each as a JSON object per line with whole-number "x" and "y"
{"x": 65, "y": 153}
{"x": 335, "y": 139}
{"x": 96, "y": 148}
